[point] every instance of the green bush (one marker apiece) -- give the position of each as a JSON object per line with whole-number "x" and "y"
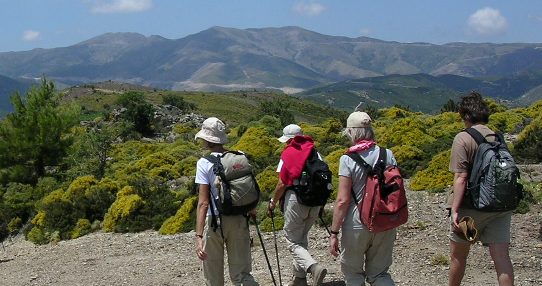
{"x": 15, "y": 225}
{"x": 506, "y": 122}
{"x": 529, "y": 143}
{"x": 267, "y": 180}
{"x": 178, "y": 222}
{"x": 436, "y": 177}
{"x": 178, "y": 101}
{"x": 125, "y": 206}
{"x": 82, "y": 227}
{"x": 37, "y": 236}
{"x": 144, "y": 204}
{"x": 259, "y": 145}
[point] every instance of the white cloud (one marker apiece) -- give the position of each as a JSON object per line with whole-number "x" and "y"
{"x": 535, "y": 18}
{"x": 30, "y": 35}
{"x": 487, "y": 22}
{"x": 309, "y": 9}
{"x": 120, "y": 6}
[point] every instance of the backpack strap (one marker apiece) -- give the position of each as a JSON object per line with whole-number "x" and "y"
{"x": 379, "y": 167}
{"x": 476, "y": 135}
{"x": 218, "y": 170}
{"x": 359, "y": 160}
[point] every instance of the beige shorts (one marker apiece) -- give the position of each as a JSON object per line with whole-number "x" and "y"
{"x": 493, "y": 227}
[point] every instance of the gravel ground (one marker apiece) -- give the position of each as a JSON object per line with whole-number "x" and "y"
{"x": 148, "y": 258}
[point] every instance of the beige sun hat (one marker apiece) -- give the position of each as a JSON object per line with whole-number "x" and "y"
{"x": 358, "y": 119}
{"x": 290, "y": 132}
{"x": 213, "y": 130}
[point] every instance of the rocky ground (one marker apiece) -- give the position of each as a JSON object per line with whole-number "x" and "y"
{"x": 148, "y": 258}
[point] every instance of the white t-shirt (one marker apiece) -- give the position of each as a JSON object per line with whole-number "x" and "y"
{"x": 205, "y": 176}
{"x": 349, "y": 168}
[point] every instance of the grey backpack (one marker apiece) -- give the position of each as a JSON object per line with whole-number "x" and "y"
{"x": 493, "y": 178}
{"x": 238, "y": 191}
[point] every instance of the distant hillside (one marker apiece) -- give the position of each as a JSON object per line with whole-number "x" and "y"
{"x": 422, "y": 92}
{"x": 287, "y": 58}
{"x": 7, "y": 87}
{"x": 233, "y": 107}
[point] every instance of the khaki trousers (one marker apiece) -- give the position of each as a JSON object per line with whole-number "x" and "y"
{"x": 367, "y": 256}
{"x": 237, "y": 242}
{"x": 298, "y": 220}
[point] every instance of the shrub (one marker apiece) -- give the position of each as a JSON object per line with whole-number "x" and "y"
{"x": 15, "y": 225}
{"x": 258, "y": 143}
{"x": 506, "y": 122}
{"x": 37, "y": 236}
{"x": 267, "y": 180}
{"x": 56, "y": 213}
{"x": 178, "y": 101}
{"x": 332, "y": 160}
{"x": 18, "y": 200}
{"x": 266, "y": 225}
{"x": 436, "y": 177}
{"x": 529, "y": 143}
{"x": 82, "y": 227}
{"x": 126, "y": 204}
{"x": 144, "y": 204}
{"x": 179, "y": 221}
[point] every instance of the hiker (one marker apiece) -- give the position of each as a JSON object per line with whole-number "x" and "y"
{"x": 298, "y": 218}
{"x": 233, "y": 230}
{"x": 364, "y": 255}
{"x": 493, "y": 228}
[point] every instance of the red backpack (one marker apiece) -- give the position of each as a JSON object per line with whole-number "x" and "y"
{"x": 384, "y": 203}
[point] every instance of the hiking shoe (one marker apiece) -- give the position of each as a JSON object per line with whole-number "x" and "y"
{"x": 318, "y": 273}
{"x": 296, "y": 281}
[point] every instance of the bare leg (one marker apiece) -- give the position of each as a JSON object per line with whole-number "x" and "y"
{"x": 458, "y": 263}
{"x": 503, "y": 265}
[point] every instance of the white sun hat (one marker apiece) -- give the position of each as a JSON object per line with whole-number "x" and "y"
{"x": 213, "y": 130}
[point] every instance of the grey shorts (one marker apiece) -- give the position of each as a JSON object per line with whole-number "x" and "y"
{"x": 493, "y": 227}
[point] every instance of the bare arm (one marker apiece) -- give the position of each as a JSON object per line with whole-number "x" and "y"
{"x": 339, "y": 212}
{"x": 460, "y": 185}
{"x": 201, "y": 215}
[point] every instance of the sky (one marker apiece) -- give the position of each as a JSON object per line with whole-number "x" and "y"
{"x": 29, "y": 24}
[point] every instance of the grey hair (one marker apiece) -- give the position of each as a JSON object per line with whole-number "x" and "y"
{"x": 359, "y": 133}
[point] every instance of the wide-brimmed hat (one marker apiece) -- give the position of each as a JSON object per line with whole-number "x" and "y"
{"x": 358, "y": 119}
{"x": 468, "y": 229}
{"x": 290, "y": 132}
{"x": 213, "y": 130}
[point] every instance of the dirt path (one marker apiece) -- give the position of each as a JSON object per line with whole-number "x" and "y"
{"x": 148, "y": 258}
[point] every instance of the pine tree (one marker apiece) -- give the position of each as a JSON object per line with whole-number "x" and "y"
{"x": 36, "y": 134}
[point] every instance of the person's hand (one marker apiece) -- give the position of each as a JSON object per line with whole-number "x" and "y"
{"x": 454, "y": 218}
{"x": 271, "y": 208}
{"x": 334, "y": 245}
{"x": 202, "y": 255}
{"x": 252, "y": 213}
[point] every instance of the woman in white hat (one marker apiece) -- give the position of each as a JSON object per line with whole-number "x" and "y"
{"x": 234, "y": 233}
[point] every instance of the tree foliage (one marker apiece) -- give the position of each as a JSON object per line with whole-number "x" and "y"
{"x": 36, "y": 135}
{"x": 138, "y": 111}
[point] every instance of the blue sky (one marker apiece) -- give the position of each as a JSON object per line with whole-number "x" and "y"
{"x": 28, "y": 24}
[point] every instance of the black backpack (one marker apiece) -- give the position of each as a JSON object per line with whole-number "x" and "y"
{"x": 314, "y": 186}
{"x": 493, "y": 177}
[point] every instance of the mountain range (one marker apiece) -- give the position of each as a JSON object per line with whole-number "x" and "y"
{"x": 290, "y": 59}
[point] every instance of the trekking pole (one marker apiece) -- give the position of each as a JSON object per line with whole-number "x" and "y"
{"x": 321, "y": 216}
{"x": 264, "y": 252}
{"x": 276, "y": 248}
